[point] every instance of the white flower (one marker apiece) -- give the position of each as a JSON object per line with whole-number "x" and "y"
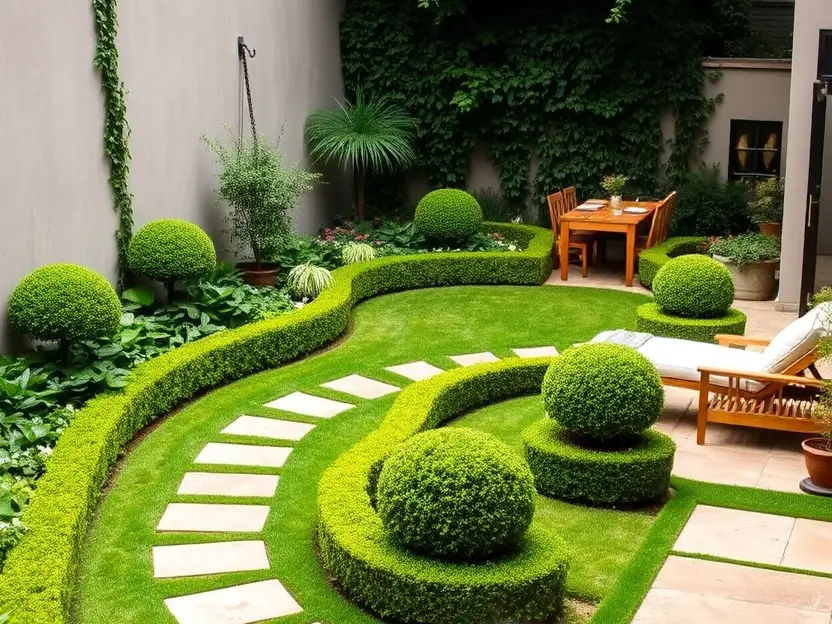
{"x": 298, "y": 304}
{"x": 512, "y": 247}
{"x": 517, "y": 219}
{"x": 45, "y": 450}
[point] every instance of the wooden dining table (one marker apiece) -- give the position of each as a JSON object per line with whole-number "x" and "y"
{"x": 604, "y": 220}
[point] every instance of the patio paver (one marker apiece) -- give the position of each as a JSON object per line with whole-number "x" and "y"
{"x": 535, "y": 352}
{"x": 214, "y": 558}
{"x": 362, "y": 387}
{"x": 242, "y": 604}
{"x": 268, "y": 428}
{"x": 243, "y": 455}
{"x": 469, "y": 359}
{"x": 228, "y": 484}
{"x": 210, "y": 518}
{"x": 415, "y": 371}
{"x": 309, "y": 405}
{"x": 810, "y": 546}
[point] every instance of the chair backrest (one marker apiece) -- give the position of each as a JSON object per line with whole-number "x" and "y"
{"x": 661, "y": 221}
{"x": 557, "y": 206}
{"x": 570, "y": 196}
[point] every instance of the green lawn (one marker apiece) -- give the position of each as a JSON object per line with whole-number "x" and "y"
{"x": 115, "y": 585}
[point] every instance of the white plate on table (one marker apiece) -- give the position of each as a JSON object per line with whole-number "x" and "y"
{"x": 635, "y": 210}
{"x": 590, "y": 207}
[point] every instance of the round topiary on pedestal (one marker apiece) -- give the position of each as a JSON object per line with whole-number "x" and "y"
{"x": 694, "y": 286}
{"x": 652, "y": 320}
{"x": 455, "y": 494}
{"x": 448, "y": 215}
{"x": 603, "y": 391}
{"x": 64, "y": 302}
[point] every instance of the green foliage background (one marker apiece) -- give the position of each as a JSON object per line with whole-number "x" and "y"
{"x": 553, "y": 80}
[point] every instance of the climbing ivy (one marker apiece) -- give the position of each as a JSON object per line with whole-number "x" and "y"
{"x": 556, "y": 93}
{"x": 116, "y": 128}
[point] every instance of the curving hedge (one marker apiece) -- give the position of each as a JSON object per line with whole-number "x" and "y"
{"x": 397, "y": 584}
{"x": 651, "y": 260}
{"x": 39, "y": 573}
{"x": 651, "y": 319}
{"x": 607, "y": 478}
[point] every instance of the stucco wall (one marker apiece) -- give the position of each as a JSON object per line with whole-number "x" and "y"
{"x": 179, "y": 63}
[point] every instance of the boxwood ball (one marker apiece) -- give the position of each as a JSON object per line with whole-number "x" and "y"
{"x": 448, "y": 215}
{"x": 169, "y": 250}
{"x": 455, "y": 494}
{"x": 603, "y": 391}
{"x": 694, "y": 286}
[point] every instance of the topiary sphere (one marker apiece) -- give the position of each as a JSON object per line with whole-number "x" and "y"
{"x": 168, "y": 250}
{"x": 64, "y": 302}
{"x": 448, "y": 215}
{"x": 456, "y": 494}
{"x": 603, "y": 391}
{"x": 694, "y": 286}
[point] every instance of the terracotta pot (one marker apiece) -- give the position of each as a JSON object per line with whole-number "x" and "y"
{"x": 818, "y": 461}
{"x": 752, "y": 282}
{"x": 771, "y": 229}
{"x": 265, "y": 276}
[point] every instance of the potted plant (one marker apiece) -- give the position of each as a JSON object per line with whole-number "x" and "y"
{"x": 262, "y": 189}
{"x": 614, "y": 185}
{"x": 752, "y": 259}
{"x": 817, "y": 452}
{"x": 766, "y": 209}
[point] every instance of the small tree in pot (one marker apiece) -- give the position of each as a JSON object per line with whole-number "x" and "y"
{"x": 817, "y": 452}
{"x": 262, "y": 190}
{"x": 766, "y": 209}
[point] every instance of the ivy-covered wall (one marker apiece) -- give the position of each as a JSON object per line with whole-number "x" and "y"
{"x": 552, "y": 82}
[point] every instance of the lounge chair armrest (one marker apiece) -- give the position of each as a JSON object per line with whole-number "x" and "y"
{"x": 762, "y": 377}
{"x": 728, "y": 340}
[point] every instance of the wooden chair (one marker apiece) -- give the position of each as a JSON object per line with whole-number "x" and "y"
{"x": 570, "y": 196}
{"x": 583, "y": 243}
{"x": 660, "y": 227}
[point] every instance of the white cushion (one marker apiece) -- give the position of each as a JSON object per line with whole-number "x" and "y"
{"x": 796, "y": 339}
{"x": 681, "y": 359}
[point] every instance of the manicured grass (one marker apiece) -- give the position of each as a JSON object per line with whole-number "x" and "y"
{"x": 116, "y": 572}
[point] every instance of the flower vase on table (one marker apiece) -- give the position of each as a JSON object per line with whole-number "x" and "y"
{"x": 615, "y": 204}
{"x": 614, "y": 185}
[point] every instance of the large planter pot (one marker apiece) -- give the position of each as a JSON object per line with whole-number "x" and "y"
{"x": 818, "y": 461}
{"x": 771, "y": 229}
{"x": 264, "y": 276}
{"x": 752, "y": 282}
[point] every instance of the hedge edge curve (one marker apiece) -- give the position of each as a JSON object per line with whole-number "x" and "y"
{"x": 651, "y": 260}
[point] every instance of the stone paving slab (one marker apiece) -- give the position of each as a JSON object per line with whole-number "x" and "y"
{"x": 210, "y": 518}
{"x": 214, "y": 558}
{"x": 536, "y": 352}
{"x": 268, "y": 428}
{"x": 810, "y": 546}
{"x": 309, "y": 405}
{"x": 416, "y": 371}
{"x": 360, "y": 386}
{"x": 243, "y": 455}
{"x": 242, "y": 604}
{"x": 228, "y": 484}
{"x": 469, "y": 359}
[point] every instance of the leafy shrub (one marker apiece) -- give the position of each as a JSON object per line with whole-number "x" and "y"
{"x": 651, "y": 260}
{"x": 357, "y": 252}
{"x": 746, "y": 248}
{"x": 694, "y": 286}
{"x": 455, "y": 494}
{"x": 169, "y": 250}
{"x": 564, "y": 470}
{"x": 768, "y": 202}
{"x": 496, "y": 206}
{"x": 64, "y": 302}
{"x": 603, "y": 392}
{"x": 307, "y": 280}
{"x": 709, "y": 206}
{"x": 448, "y": 215}
{"x": 651, "y": 319}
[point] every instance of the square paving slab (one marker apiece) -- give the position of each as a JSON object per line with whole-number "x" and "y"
{"x": 309, "y": 405}
{"x": 242, "y": 604}
{"x": 536, "y": 352}
{"x": 416, "y": 371}
{"x": 228, "y": 484}
{"x": 362, "y": 387}
{"x": 209, "y": 518}
{"x": 469, "y": 359}
{"x": 243, "y": 455}
{"x": 268, "y": 428}
{"x": 215, "y": 558}
{"x": 810, "y": 546}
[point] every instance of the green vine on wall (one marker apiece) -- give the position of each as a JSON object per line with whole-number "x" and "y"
{"x": 116, "y": 128}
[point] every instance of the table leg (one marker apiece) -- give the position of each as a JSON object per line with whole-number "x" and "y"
{"x": 564, "y": 251}
{"x": 631, "y": 255}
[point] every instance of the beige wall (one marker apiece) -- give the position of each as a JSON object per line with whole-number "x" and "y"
{"x": 179, "y": 63}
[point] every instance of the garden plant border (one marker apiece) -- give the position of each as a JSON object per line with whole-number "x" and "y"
{"x": 39, "y": 573}
{"x": 651, "y": 260}
{"x": 651, "y": 319}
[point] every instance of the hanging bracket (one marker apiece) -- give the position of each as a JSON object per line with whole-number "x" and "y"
{"x": 243, "y": 49}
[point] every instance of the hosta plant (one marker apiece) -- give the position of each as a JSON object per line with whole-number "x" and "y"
{"x": 306, "y": 281}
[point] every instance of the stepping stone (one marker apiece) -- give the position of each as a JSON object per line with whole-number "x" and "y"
{"x": 228, "y": 484}
{"x": 309, "y": 405}
{"x": 209, "y": 518}
{"x": 243, "y": 455}
{"x": 362, "y": 387}
{"x": 416, "y": 371}
{"x": 268, "y": 428}
{"x": 536, "y": 352}
{"x": 810, "y": 546}
{"x": 242, "y": 604}
{"x": 216, "y": 558}
{"x": 470, "y": 359}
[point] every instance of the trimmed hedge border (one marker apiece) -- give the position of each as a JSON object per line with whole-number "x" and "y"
{"x": 651, "y": 319}
{"x": 606, "y": 478}
{"x": 395, "y": 583}
{"x": 40, "y": 572}
{"x": 651, "y": 260}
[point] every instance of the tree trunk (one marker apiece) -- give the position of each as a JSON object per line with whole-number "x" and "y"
{"x": 169, "y": 285}
{"x": 360, "y": 178}
{"x": 258, "y": 261}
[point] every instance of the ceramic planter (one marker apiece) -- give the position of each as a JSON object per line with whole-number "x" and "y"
{"x": 752, "y": 282}
{"x": 771, "y": 229}
{"x": 818, "y": 461}
{"x": 264, "y": 276}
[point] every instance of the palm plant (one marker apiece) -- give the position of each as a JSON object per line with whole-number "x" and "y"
{"x": 369, "y": 135}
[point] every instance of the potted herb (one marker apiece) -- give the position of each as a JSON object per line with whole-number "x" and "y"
{"x": 614, "y": 185}
{"x": 817, "y": 452}
{"x": 766, "y": 209}
{"x": 752, "y": 259}
{"x": 262, "y": 189}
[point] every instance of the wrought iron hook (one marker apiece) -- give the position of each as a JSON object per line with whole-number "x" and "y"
{"x": 242, "y": 48}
